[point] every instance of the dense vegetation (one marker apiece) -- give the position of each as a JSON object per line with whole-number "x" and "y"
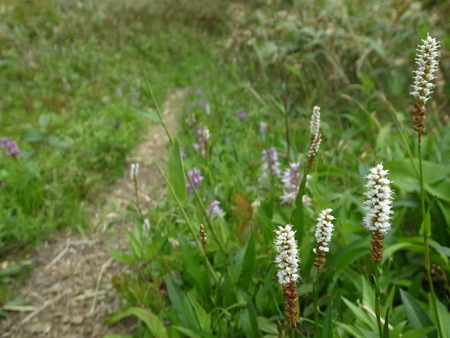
{"x": 252, "y": 83}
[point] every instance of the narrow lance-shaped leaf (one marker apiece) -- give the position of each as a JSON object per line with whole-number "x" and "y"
{"x": 175, "y": 172}
{"x": 425, "y": 228}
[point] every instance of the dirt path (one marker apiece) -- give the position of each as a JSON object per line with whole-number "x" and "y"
{"x": 69, "y": 290}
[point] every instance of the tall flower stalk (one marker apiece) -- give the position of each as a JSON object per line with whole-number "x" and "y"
{"x": 377, "y": 221}
{"x": 324, "y": 230}
{"x": 316, "y": 138}
{"x": 427, "y": 62}
{"x": 287, "y": 261}
{"x": 134, "y": 171}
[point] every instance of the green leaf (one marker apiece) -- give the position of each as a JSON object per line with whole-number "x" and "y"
{"x": 152, "y": 321}
{"x": 204, "y": 318}
{"x": 122, "y": 257}
{"x": 417, "y": 316}
{"x": 425, "y": 229}
{"x": 187, "y": 331}
{"x": 386, "y": 325}
{"x": 153, "y": 248}
{"x": 361, "y": 314}
{"x": 444, "y": 316}
{"x": 328, "y": 321}
{"x": 176, "y": 298}
{"x": 175, "y": 173}
{"x": 248, "y": 315}
{"x": 135, "y": 244}
{"x": 367, "y": 293}
{"x": 366, "y": 80}
{"x": 150, "y": 114}
{"x": 391, "y": 249}
{"x": 267, "y": 326}
{"x": 298, "y": 214}
{"x": 419, "y": 333}
{"x": 249, "y": 262}
{"x": 350, "y": 329}
{"x": 34, "y": 136}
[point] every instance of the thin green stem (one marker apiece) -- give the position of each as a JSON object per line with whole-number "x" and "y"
{"x": 425, "y": 241}
{"x": 378, "y": 299}
{"x": 195, "y": 234}
{"x": 158, "y": 110}
{"x": 205, "y": 214}
{"x": 316, "y": 304}
{"x": 287, "y": 135}
{"x": 136, "y": 192}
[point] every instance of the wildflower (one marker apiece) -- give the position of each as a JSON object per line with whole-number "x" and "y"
{"x": 316, "y": 138}
{"x": 427, "y": 62}
{"x": 315, "y": 121}
{"x": 174, "y": 242}
{"x": 118, "y": 92}
{"x": 195, "y": 178}
{"x": 134, "y": 171}
{"x": 202, "y": 235}
{"x": 183, "y": 152}
{"x": 241, "y": 114}
{"x": 10, "y": 146}
{"x": 270, "y": 163}
{"x": 262, "y": 127}
{"x": 207, "y": 107}
{"x": 255, "y": 206}
{"x": 291, "y": 183}
{"x": 378, "y": 209}
{"x": 203, "y": 136}
{"x": 145, "y": 227}
{"x": 215, "y": 210}
{"x": 324, "y": 229}
{"x": 287, "y": 261}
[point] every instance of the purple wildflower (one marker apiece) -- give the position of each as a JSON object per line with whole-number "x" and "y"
{"x": 291, "y": 183}
{"x": 196, "y": 179}
{"x": 203, "y": 136}
{"x": 270, "y": 162}
{"x": 118, "y": 92}
{"x": 10, "y": 146}
{"x": 241, "y": 114}
{"x": 215, "y": 210}
{"x": 183, "y": 152}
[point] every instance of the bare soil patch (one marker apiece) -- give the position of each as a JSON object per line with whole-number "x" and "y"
{"x": 69, "y": 292}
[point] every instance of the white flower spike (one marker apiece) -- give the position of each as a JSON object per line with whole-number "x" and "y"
{"x": 379, "y": 203}
{"x": 426, "y": 60}
{"x": 287, "y": 259}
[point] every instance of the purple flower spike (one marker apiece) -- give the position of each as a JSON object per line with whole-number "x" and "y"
{"x": 241, "y": 114}
{"x": 215, "y": 210}
{"x": 196, "y": 179}
{"x": 10, "y": 146}
{"x": 291, "y": 183}
{"x": 270, "y": 162}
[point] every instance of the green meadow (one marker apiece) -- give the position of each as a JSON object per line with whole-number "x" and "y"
{"x": 246, "y": 161}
